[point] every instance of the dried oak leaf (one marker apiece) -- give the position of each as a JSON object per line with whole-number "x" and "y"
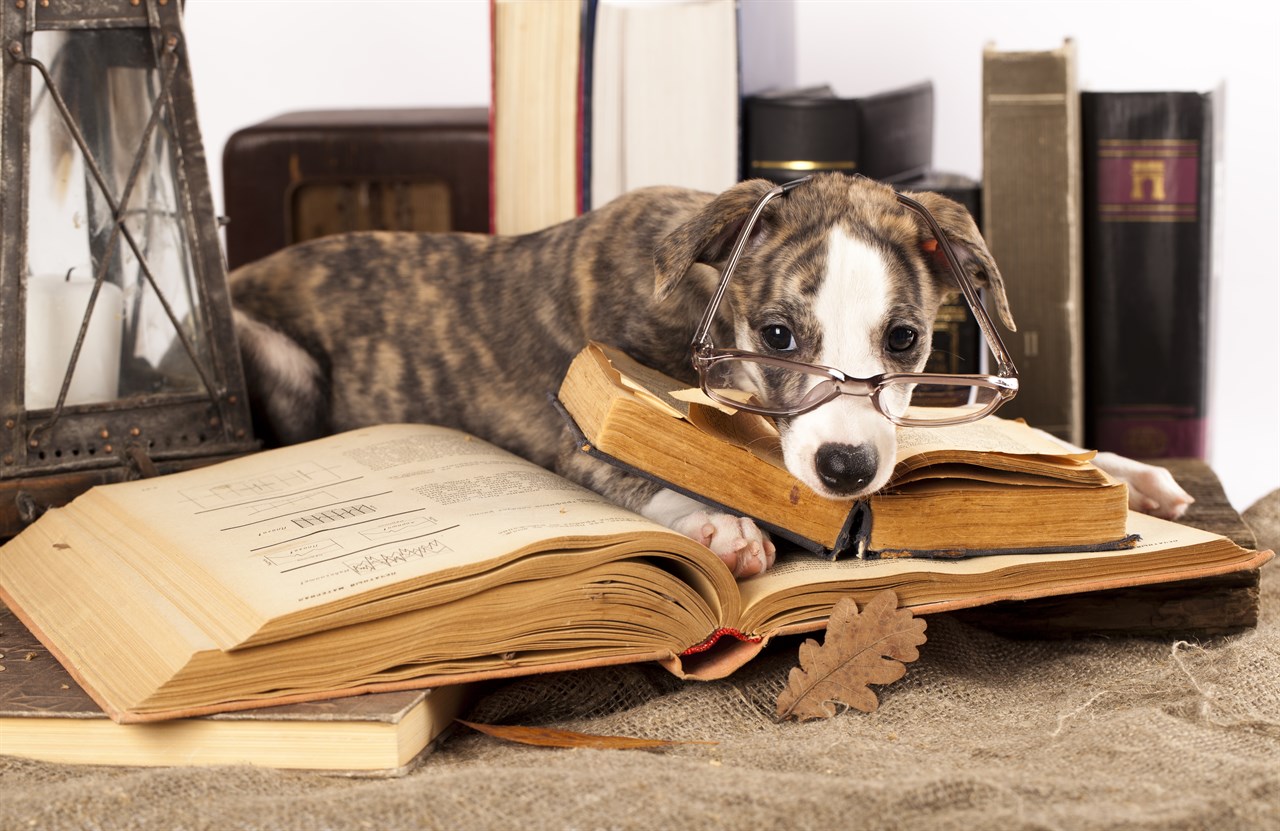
{"x": 551, "y": 737}
{"x": 859, "y": 649}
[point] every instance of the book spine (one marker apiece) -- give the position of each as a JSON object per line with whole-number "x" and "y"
{"x": 1031, "y": 220}
{"x": 1147, "y": 166}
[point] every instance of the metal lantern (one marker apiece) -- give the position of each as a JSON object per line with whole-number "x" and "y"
{"x": 117, "y": 354}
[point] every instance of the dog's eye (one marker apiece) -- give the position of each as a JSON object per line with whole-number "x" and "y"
{"x": 778, "y": 338}
{"x": 901, "y": 338}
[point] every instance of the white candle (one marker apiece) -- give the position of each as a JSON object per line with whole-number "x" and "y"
{"x": 55, "y": 309}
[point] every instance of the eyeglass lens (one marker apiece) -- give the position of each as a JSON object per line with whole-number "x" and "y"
{"x": 780, "y": 389}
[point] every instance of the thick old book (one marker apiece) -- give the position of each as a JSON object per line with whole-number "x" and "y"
{"x": 535, "y": 113}
{"x": 992, "y": 486}
{"x": 45, "y": 715}
{"x": 667, "y": 82}
{"x": 408, "y": 556}
{"x": 1031, "y": 222}
{"x": 652, "y": 123}
{"x": 1148, "y": 168}
{"x": 791, "y": 133}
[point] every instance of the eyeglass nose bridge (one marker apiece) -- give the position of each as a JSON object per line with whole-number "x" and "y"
{"x": 837, "y": 384}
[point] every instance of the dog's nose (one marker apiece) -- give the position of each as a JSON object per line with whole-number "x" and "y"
{"x": 845, "y": 468}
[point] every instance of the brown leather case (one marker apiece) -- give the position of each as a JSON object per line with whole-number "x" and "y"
{"x": 308, "y": 174}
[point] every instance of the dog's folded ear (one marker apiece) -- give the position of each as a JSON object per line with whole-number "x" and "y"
{"x": 968, "y": 245}
{"x": 705, "y": 238}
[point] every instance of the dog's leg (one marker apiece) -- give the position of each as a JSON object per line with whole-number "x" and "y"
{"x": 737, "y": 541}
{"x": 1152, "y": 490}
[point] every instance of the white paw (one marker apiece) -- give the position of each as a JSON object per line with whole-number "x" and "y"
{"x": 1152, "y": 489}
{"x": 742, "y": 546}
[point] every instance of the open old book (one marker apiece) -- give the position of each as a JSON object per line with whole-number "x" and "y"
{"x": 406, "y": 556}
{"x": 990, "y": 486}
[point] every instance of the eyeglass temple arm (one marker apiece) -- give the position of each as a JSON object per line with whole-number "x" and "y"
{"x": 700, "y": 335}
{"x": 1004, "y": 361}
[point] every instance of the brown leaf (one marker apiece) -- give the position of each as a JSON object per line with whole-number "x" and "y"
{"x": 549, "y": 737}
{"x": 859, "y": 650}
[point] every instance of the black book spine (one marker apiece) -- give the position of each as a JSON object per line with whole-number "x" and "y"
{"x": 1147, "y": 192}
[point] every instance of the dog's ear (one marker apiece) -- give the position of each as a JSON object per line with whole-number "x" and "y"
{"x": 969, "y": 248}
{"x": 706, "y": 237}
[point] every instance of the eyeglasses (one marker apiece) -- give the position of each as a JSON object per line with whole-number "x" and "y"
{"x": 776, "y": 386}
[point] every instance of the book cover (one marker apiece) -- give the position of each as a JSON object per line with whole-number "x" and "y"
{"x": 1031, "y": 222}
{"x": 1147, "y": 162}
{"x": 45, "y": 715}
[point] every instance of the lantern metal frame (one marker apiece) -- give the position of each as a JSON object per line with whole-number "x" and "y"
{"x": 48, "y": 456}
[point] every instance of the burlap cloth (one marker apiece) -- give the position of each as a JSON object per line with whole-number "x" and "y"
{"x": 984, "y": 731}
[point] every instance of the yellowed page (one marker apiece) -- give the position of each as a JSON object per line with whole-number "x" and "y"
{"x": 803, "y": 588}
{"x": 373, "y": 513}
{"x": 988, "y": 435}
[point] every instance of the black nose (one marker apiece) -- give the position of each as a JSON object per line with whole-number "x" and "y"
{"x": 845, "y": 468}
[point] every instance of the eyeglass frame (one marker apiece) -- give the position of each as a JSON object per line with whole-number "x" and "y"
{"x": 1005, "y": 382}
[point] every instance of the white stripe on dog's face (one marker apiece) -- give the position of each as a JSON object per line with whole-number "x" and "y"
{"x": 851, "y": 307}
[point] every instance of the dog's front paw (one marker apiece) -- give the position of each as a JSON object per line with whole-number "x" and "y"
{"x": 1152, "y": 489}
{"x": 737, "y": 541}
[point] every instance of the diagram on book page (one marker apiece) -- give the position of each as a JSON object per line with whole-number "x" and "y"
{"x": 255, "y": 493}
{"x": 307, "y": 514}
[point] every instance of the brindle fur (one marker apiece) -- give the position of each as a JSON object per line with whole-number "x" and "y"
{"x": 473, "y": 331}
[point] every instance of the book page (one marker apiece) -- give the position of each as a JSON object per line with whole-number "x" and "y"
{"x": 801, "y": 585}
{"x": 354, "y": 514}
{"x": 987, "y": 435}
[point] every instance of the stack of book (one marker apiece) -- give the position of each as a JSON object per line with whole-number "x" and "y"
{"x": 406, "y": 557}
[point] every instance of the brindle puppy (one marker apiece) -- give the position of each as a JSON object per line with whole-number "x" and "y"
{"x": 473, "y": 331}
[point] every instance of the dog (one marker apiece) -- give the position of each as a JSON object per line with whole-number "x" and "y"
{"x": 473, "y": 331}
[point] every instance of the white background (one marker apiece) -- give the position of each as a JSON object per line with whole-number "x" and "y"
{"x": 253, "y": 59}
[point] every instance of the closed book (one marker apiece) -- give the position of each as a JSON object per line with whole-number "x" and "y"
{"x": 667, "y": 82}
{"x": 46, "y": 715}
{"x": 536, "y": 113}
{"x": 1147, "y": 162}
{"x": 887, "y": 136}
{"x": 1031, "y": 222}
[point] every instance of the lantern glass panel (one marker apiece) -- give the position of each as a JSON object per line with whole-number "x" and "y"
{"x": 110, "y": 83}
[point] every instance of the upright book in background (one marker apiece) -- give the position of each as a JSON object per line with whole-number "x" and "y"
{"x": 1148, "y": 166}
{"x": 1031, "y": 221}
{"x": 667, "y": 80}
{"x": 664, "y": 97}
{"x": 535, "y": 114}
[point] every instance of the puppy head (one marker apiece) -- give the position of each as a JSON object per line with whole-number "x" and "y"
{"x": 837, "y": 273}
